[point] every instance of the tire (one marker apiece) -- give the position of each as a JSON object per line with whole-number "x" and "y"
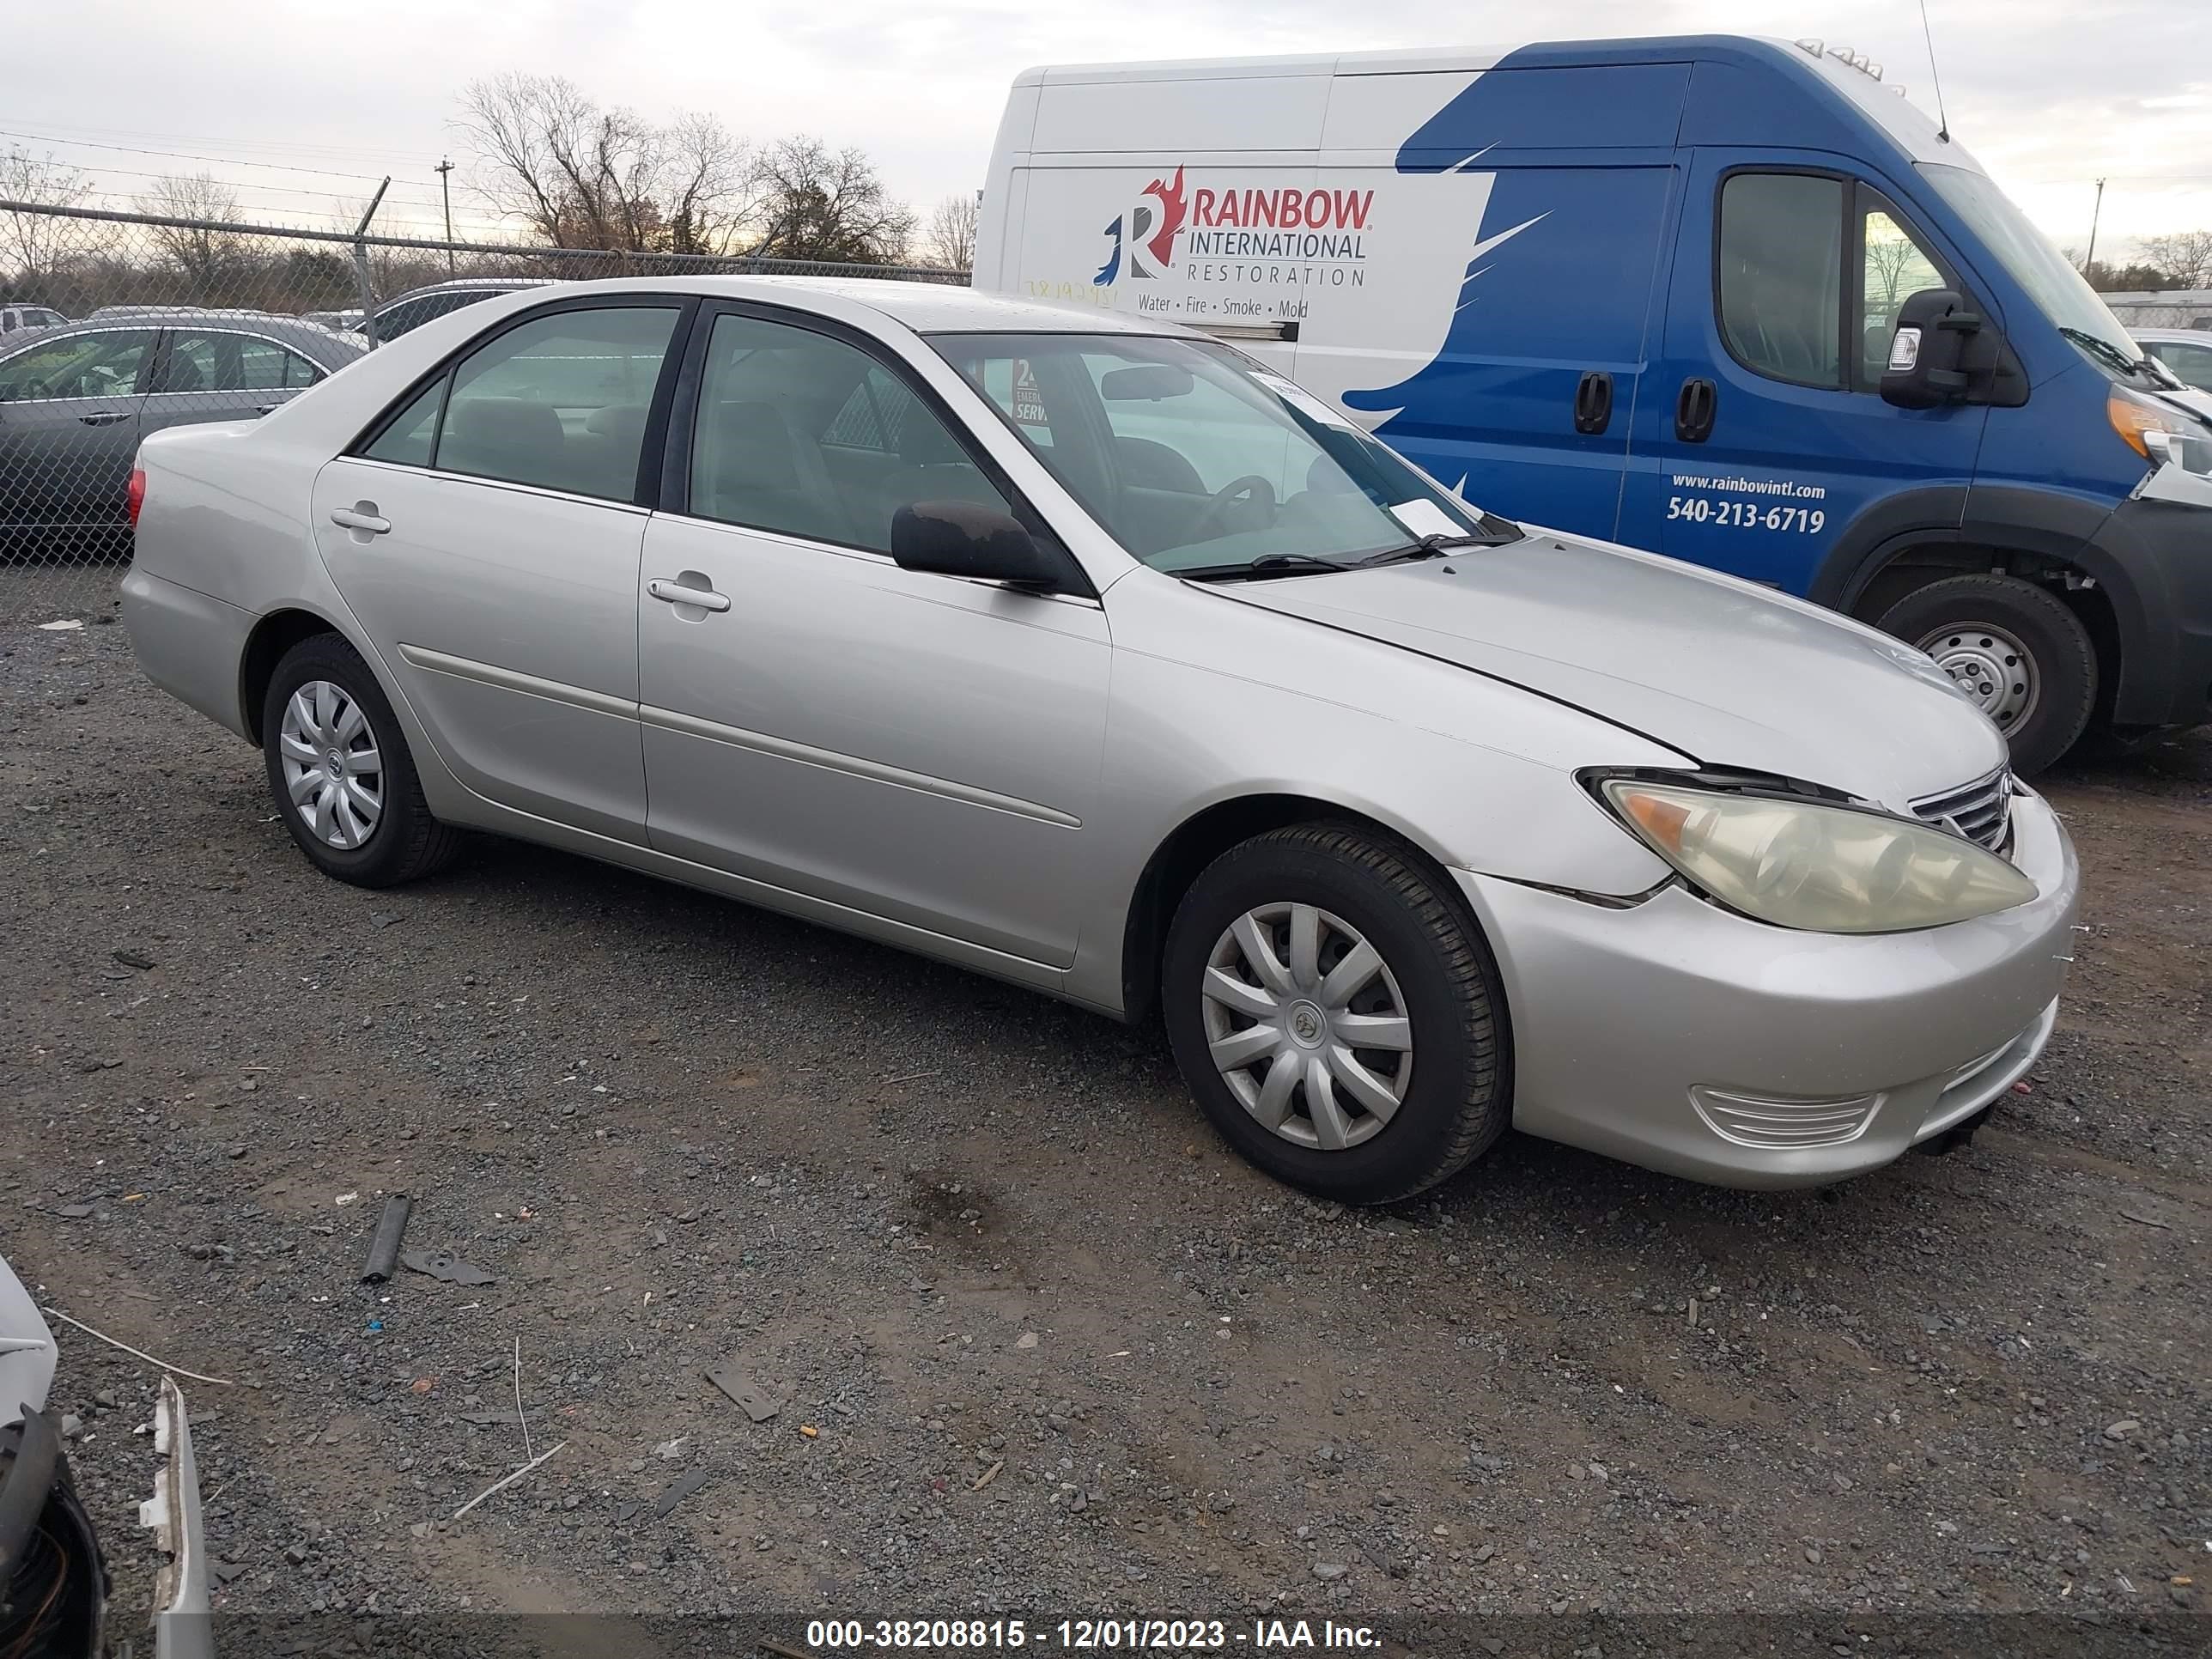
{"x": 396, "y": 842}
{"x": 1438, "y": 979}
{"x": 2013, "y": 646}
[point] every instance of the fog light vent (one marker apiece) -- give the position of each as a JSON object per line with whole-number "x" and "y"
{"x": 1750, "y": 1120}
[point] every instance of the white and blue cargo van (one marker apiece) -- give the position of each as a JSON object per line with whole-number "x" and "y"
{"x": 1734, "y": 300}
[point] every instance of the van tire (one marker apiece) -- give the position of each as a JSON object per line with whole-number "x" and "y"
{"x": 2016, "y": 649}
{"x": 1437, "y": 976}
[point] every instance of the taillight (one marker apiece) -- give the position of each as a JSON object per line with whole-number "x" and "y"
{"x": 137, "y": 493}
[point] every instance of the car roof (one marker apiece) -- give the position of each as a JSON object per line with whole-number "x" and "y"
{"x": 329, "y": 350}
{"x": 2174, "y": 336}
{"x": 459, "y": 284}
{"x": 925, "y": 307}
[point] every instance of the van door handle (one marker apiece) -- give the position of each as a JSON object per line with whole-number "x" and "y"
{"x": 683, "y": 594}
{"x": 361, "y": 516}
{"x": 104, "y": 417}
{"x": 1694, "y": 409}
{"x": 1594, "y": 402}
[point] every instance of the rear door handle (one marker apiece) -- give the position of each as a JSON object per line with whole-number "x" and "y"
{"x": 362, "y": 517}
{"x": 683, "y": 594}
{"x": 104, "y": 417}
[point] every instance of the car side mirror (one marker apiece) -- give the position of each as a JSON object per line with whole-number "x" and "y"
{"x": 1928, "y": 365}
{"x": 964, "y": 538}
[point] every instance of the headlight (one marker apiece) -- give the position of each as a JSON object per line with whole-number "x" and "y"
{"x": 1825, "y": 869}
{"x": 2135, "y": 417}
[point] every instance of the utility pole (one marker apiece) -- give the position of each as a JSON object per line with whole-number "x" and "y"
{"x": 2095, "y": 214}
{"x": 445, "y": 191}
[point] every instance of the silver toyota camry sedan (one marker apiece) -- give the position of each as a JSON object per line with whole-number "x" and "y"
{"x": 1092, "y": 654}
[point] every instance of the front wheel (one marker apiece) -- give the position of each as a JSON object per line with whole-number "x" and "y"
{"x": 339, "y": 768}
{"x": 2015, "y": 650}
{"x": 1337, "y": 1013}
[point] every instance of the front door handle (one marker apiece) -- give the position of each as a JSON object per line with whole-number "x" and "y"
{"x": 361, "y": 516}
{"x": 106, "y": 417}
{"x": 1694, "y": 409}
{"x": 673, "y": 592}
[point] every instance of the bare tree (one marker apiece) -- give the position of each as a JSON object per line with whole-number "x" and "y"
{"x": 202, "y": 256}
{"x": 2185, "y": 257}
{"x": 950, "y": 240}
{"x": 30, "y": 244}
{"x": 821, "y": 203}
{"x": 579, "y": 175}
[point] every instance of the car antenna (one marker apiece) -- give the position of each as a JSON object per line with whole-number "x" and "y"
{"x": 1943, "y": 120}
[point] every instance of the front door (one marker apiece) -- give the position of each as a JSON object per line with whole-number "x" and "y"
{"x": 911, "y": 746}
{"x": 70, "y": 419}
{"x": 488, "y": 536}
{"x": 1763, "y": 445}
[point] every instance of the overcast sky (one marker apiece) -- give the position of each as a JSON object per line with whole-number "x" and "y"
{"x": 2048, "y": 94}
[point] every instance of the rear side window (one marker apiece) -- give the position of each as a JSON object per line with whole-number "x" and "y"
{"x": 559, "y": 402}
{"x": 1780, "y": 253}
{"x": 412, "y": 436}
{"x": 264, "y": 366}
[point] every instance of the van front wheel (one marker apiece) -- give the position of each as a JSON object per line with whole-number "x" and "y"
{"x": 2014, "y": 648}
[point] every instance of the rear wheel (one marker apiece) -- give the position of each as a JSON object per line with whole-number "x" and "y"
{"x": 1337, "y": 1014}
{"x": 2024, "y": 658}
{"x": 343, "y": 781}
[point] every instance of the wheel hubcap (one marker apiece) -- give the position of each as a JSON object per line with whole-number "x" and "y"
{"x": 333, "y": 771}
{"x": 1990, "y": 666}
{"x": 1305, "y": 1022}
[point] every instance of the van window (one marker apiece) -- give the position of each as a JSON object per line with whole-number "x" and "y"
{"x": 1781, "y": 257}
{"x": 1894, "y": 266}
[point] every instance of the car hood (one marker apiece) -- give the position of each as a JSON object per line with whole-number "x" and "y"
{"x": 1727, "y": 673}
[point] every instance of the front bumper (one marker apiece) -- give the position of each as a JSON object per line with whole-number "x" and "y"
{"x": 1677, "y": 1036}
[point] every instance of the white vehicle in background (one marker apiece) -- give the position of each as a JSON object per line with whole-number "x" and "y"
{"x": 2186, "y": 351}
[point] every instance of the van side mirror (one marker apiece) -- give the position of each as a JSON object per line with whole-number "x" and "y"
{"x": 964, "y": 538}
{"x": 1927, "y": 363}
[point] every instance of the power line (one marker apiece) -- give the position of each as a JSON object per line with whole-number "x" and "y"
{"x": 180, "y": 155}
{"x": 247, "y": 184}
{"x": 234, "y": 144}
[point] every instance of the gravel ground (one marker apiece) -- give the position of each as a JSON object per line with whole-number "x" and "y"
{"x": 1035, "y": 1339}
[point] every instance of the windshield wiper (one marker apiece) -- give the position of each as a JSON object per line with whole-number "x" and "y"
{"x": 2104, "y": 351}
{"x": 1260, "y": 570}
{"x": 1436, "y": 546}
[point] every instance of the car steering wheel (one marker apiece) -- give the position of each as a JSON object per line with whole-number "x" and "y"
{"x": 1249, "y": 494}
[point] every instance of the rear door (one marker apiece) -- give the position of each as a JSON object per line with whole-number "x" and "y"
{"x": 487, "y": 536}
{"x": 217, "y": 374}
{"x": 69, "y": 421}
{"x": 1766, "y": 445}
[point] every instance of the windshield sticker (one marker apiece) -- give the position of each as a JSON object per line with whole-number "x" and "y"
{"x": 1029, "y": 402}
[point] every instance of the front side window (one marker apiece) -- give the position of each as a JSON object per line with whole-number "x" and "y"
{"x": 559, "y": 401}
{"x": 103, "y": 365}
{"x": 1894, "y": 266}
{"x": 1196, "y": 458}
{"x": 1781, "y": 258}
{"x": 804, "y": 434}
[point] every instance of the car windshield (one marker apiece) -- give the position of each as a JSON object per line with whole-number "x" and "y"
{"x": 2051, "y": 280}
{"x": 1201, "y": 462}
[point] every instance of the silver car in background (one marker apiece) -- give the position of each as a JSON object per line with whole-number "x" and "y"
{"x": 1089, "y": 653}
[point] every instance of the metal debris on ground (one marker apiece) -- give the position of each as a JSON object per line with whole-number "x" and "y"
{"x": 679, "y": 1489}
{"x": 384, "y": 1246}
{"x": 132, "y": 958}
{"x": 446, "y": 1266}
{"x": 757, "y": 1403}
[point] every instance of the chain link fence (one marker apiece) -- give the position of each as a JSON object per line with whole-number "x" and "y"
{"x": 115, "y": 324}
